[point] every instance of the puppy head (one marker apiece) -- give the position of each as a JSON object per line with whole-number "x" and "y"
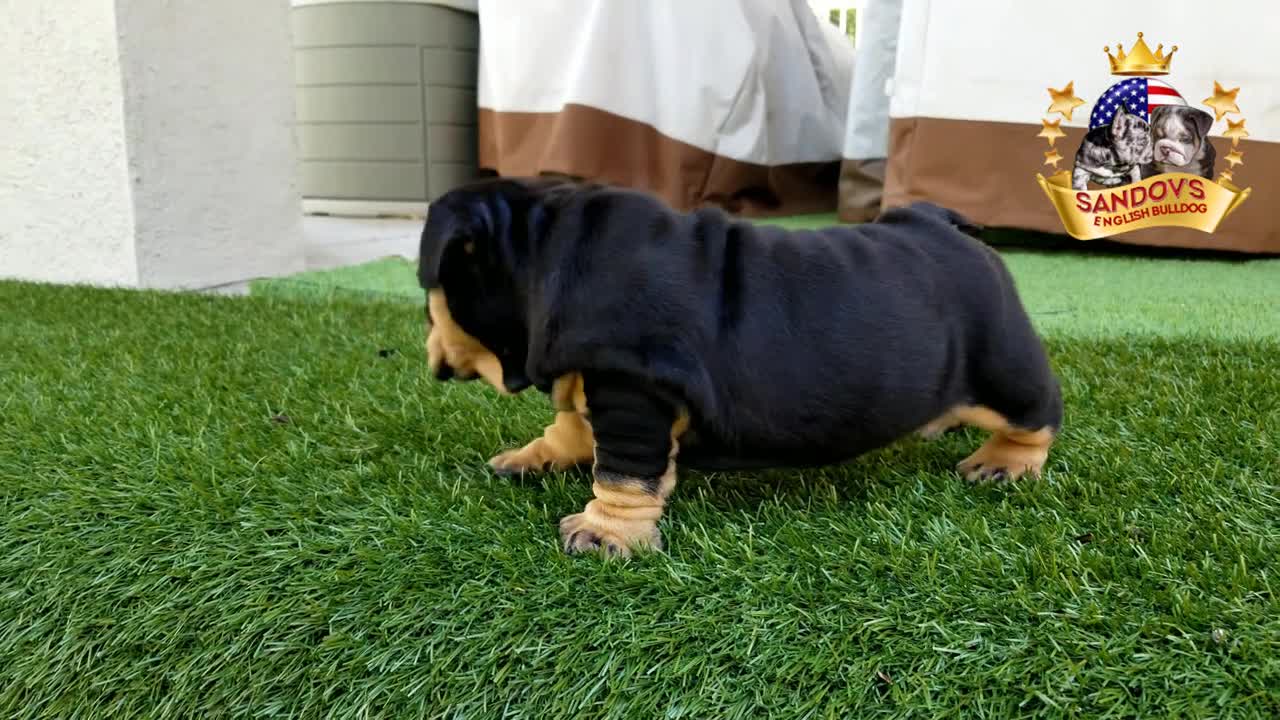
{"x": 473, "y": 242}
{"x": 1130, "y": 136}
{"x": 1178, "y": 133}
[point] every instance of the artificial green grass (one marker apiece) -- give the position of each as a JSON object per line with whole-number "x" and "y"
{"x": 389, "y": 279}
{"x": 249, "y": 507}
{"x": 394, "y": 279}
{"x": 1071, "y": 288}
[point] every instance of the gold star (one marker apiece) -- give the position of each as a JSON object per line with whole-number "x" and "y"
{"x": 1052, "y": 158}
{"x": 1236, "y": 132}
{"x": 1051, "y": 130}
{"x": 1235, "y": 157}
{"x": 1064, "y": 101}
{"x": 1223, "y": 101}
{"x": 1225, "y": 176}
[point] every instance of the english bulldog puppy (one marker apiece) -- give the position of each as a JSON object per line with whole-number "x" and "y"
{"x": 699, "y": 338}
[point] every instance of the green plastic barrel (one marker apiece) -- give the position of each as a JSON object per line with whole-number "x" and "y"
{"x": 386, "y": 100}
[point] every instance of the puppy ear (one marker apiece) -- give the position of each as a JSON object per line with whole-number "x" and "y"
{"x": 457, "y": 237}
{"x": 1203, "y": 121}
{"x": 469, "y": 262}
{"x": 1123, "y": 118}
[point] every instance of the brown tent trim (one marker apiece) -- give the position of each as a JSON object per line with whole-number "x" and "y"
{"x": 987, "y": 171}
{"x": 589, "y": 143}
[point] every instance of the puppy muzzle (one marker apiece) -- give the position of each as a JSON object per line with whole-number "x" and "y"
{"x": 443, "y": 372}
{"x": 446, "y": 373}
{"x": 1171, "y": 152}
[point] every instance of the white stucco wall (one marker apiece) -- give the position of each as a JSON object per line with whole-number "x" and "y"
{"x": 147, "y": 143}
{"x": 65, "y": 208}
{"x": 209, "y": 113}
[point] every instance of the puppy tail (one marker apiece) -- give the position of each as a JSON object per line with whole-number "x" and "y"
{"x": 934, "y": 212}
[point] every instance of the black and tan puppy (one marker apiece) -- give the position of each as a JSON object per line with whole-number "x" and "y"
{"x": 730, "y": 345}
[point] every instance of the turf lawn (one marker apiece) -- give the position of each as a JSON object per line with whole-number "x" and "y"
{"x": 257, "y": 507}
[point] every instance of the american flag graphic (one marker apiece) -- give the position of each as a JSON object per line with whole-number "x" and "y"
{"x": 1138, "y": 95}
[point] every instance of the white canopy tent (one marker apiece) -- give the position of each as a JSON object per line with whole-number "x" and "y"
{"x": 739, "y": 103}
{"x": 969, "y": 91}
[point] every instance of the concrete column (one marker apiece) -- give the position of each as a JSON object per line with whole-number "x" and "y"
{"x": 147, "y": 144}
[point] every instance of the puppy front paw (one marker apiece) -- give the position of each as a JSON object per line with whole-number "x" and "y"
{"x": 564, "y": 444}
{"x": 595, "y": 530}
{"x": 529, "y": 459}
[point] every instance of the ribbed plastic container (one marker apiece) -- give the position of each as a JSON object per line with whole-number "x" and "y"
{"x": 386, "y": 101}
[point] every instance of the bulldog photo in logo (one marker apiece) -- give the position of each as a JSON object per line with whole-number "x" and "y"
{"x": 1139, "y": 128}
{"x": 1180, "y": 142}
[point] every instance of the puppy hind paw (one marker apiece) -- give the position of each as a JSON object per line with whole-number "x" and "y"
{"x": 933, "y": 433}
{"x": 1000, "y": 460}
{"x": 938, "y": 428}
{"x": 979, "y": 474}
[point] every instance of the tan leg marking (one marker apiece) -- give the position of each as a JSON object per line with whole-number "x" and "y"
{"x": 449, "y": 345}
{"x": 937, "y": 428}
{"x": 1009, "y": 453}
{"x": 569, "y": 393}
{"x": 565, "y": 443}
{"x": 624, "y": 514}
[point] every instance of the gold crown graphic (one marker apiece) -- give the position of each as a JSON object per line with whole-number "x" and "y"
{"x": 1140, "y": 60}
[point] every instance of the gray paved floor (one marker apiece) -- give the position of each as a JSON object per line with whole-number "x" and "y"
{"x": 336, "y": 242}
{"x": 331, "y": 242}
